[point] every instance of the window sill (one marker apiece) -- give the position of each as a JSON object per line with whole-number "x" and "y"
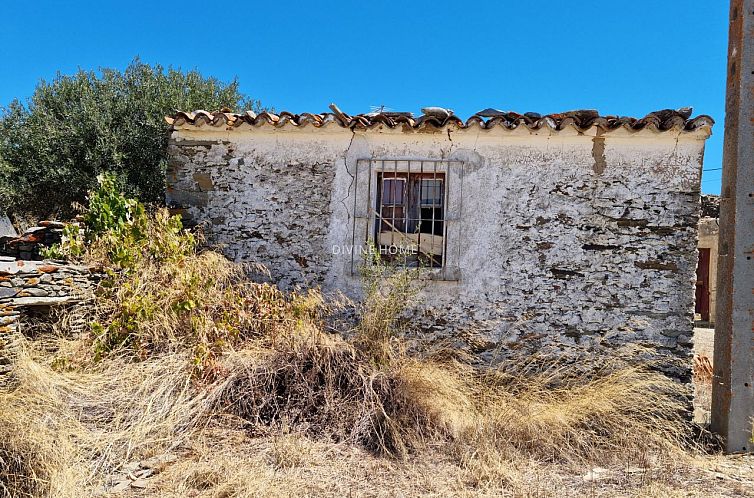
{"x": 447, "y": 274}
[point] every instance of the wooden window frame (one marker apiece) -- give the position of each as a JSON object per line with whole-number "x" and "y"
{"x": 366, "y": 208}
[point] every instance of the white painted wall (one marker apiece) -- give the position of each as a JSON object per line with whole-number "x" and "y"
{"x": 563, "y": 241}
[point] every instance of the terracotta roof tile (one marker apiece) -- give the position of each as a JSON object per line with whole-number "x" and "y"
{"x": 663, "y": 120}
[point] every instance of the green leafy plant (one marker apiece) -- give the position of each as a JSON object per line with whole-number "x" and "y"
{"x": 110, "y": 211}
{"x": 118, "y": 232}
{"x": 71, "y": 245}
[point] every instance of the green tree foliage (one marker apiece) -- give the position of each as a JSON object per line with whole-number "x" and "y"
{"x": 119, "y": 233}
{"x": 53, "y": 147}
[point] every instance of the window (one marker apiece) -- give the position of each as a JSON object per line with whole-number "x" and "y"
{"x": 431, "y": 192}
{"x": 392, "y": 191}
{"x": 410, "y": 224}
{"x": 410, "y": 210}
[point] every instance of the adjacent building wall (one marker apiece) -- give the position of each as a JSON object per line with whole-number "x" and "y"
{"x": 566, "y": 241}
{"x": 709, "y": 232}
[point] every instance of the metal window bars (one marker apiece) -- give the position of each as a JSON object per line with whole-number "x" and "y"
{"x": 403, "y": 208}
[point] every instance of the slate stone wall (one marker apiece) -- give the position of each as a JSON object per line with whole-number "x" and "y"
{"x": 256, "y": 208}
{"x": 564, "y": 244}
{"x": 29, "y": 286}
{"x": 27, "y": 245}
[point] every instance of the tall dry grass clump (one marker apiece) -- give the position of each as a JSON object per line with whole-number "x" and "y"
{"x": 35, "y": 453}
{"x": 619, "y": 411}
{"x": 367, "y": 390}
{"x": 64, "y": 432}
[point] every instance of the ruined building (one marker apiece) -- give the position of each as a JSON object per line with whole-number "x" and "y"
{"x": 560, "y": 233}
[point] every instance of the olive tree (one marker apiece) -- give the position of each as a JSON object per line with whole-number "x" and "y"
{"x": 72, "y": 129}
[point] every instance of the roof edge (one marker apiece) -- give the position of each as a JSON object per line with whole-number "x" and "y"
{"x": 439, "y": 119}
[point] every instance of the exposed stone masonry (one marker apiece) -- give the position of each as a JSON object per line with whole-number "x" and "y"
{"x": 593, "y": 270}
{"x": 274, "y": 213}
{"x": 557, "y": 243}
{"x": 27, "y": 286}
{"x": 27, "y": 246}
{"x": 710, "y": 206}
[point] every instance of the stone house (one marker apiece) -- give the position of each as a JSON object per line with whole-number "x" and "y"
{"x": 565, "y": 232}
{"x": 706, "y": 270}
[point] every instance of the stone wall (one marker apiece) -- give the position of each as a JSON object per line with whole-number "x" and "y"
{"x": 563, "y": 242}
{"x": 260, "y": 208}
{"x": 30, "y": 287}
{"x": 710, "y": 206}
{"x": 27, "y": 245}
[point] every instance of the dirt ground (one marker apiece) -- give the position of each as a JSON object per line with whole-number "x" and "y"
{"x": 704, "y": 341}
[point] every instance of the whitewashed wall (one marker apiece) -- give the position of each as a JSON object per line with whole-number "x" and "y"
{"x": 567, "y": 241}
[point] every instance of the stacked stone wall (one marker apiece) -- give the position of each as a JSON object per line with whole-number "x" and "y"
{"x": 28, "y": 245}
{"x": 30, "y": 287}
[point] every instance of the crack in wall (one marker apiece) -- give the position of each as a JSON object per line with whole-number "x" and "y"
{"x": 353, "y": 178}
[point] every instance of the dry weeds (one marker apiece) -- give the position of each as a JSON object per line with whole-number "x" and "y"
{"x": 304, "y": 416}
{"x": 256, "y": 398}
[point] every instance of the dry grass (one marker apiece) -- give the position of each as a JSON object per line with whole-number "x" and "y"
{"x": 64, "y": 431}
{"x": 307, "y": 393}
{"x": 246, "y": 385}
{"x": 627, "y": 411}
{"x": 34, "y": 458}
{"x": 231, "y": 463}
{"x": 324, "y": 386}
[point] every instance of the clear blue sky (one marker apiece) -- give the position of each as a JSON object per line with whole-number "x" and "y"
{"x": 624, "y": 58}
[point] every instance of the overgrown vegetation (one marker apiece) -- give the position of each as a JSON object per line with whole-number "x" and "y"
{"x": 76, "y": 127}
{"x": 185, "y": 346}
{"x": 118, "y": 233}
{"x": 161, "y": 294}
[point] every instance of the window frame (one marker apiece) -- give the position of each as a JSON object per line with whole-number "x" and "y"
{"x": 403, "y": 191}
{"x": 442, "y": 191}
{"x": 449, "y": 175}
{"x": 406, "y": 222}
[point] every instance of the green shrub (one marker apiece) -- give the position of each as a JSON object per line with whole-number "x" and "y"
{"x": 75, "y": 127}
{"x": 387, "y": 291}
{"x": 118, "y": 232}
{"x": 160, "y": 293}
{"x": 70, "y": 247}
